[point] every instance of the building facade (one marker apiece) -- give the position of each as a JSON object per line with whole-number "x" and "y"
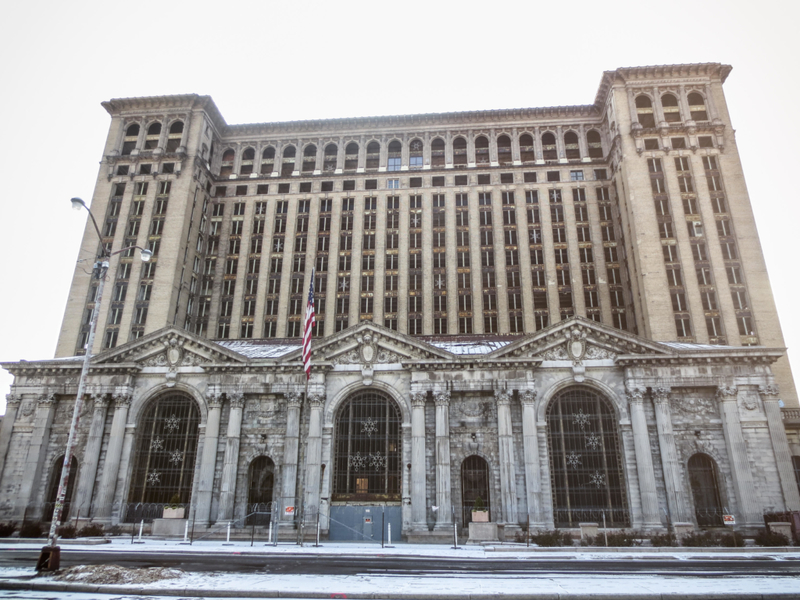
{"x": 563, "y": 311}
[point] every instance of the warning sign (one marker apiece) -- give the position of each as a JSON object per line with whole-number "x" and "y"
{"x": 289, "y": 510}
{"x": 729, "y": 519}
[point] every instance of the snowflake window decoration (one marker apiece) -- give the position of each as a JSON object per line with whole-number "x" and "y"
{"x": 593, "y": 441}
{"x": 172, "y": 424}
{"x": 278, "y": 245}
{"x": 153, "y": 477}
{"x": 157, "y": 444}
{"x": 176, "y": 457}
{"x": 440, "y": 282}
{"x": 535, "y": 236}
{"x": 415, "y": 221}
{"x": 377, "y": 461}
{"x": 416, "y": 146}
{"x": 598, "y": 479}
{"x": 343, "y": 284}
{"x": 573, "y": 460}
{"x": 580, "y": 419}
{"x": 369, "y": 427}
{"x": 356, "y": 461}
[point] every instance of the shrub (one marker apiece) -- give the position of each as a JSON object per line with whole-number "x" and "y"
{"x": 30, "y": 529}
{"x": 549, "y": 539}
{"x": 771, "y": 538}
{"x": 114, "y": 530}
{"x": 91, "y": 530}
{"x": 663, "y": 539}
{"x": 700, "y": 539}
{"x": 67, "y": 532}
{"x": 732, "y": 540}
{"x": 6, "y": 529}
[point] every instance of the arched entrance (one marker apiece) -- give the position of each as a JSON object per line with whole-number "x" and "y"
{"x": 474, "y": 485}
{"x": 261, "y": 481}
{"x": 585, "y": 460}
{"x": 164, "y": 456}
{"x": 367, "y": 467}
{"x": 705, "y": 490}
{"x": 52, "y": 489}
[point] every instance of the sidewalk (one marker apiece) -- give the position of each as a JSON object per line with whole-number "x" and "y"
{"x": 445, "y": 586}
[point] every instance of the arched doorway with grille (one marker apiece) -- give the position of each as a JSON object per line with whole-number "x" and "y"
{"x": 586, "y": 468}
{"x": 704, "y": 480}
{"x": 367, "y": 467}
{"x": 260, "y": 487}
{"x": 474, "y": 485}
{"x": 52, "y": 489}
{"x": 164, "y": 457}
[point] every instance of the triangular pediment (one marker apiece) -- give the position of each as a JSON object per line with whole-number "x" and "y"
{"x": 369, "y": 343}
{"x": 579, "y": 339}
{"x": 169, "y": 347}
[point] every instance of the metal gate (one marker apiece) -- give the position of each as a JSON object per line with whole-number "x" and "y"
{"x": 363, "y": 523}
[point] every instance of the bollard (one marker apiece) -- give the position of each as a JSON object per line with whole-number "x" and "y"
{"x": 269, "y": 534}
{"x": 141, "y": 527}
{"x": 228, "y": 536}
{"x": 186, "y": 532}
{"x": 389, "y": 535}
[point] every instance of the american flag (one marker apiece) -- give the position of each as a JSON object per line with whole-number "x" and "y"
{"x": 307, "y": 327}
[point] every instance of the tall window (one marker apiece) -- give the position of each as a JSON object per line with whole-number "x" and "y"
{"x": 261, "y": 482}
{"x": 474, "y": 485}
{"x": 368, "y": 454}
{"x": 166, "y": 449}
{"x": 55, "y": 480}
{"x": 585, "y": 462}
{"x": 705, "y": 490}
{"x": 644, "y": 111}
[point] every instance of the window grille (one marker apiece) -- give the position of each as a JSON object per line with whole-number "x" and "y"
{"x": 585, "y": 466}
{"x": 368, "y": 456}
{"x": 261, "y": 480}
{"x": 705, "y": 491}
{"x": 474, "y": 485}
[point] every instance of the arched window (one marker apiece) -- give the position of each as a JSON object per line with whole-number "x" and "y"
{"x": 153, "y": 134}
{"x": 585, "y": 460}
{"x": 226, "y": 168}
{"x": 174, "y": 136}
{"x": 415, "y": 154}
{"x": 52, "y": 489}
{"x": 527, "y": 151}
{"x": 697, "y": 107}
{"x": 287, "y": 164}
{"x": 644, "y": 111}
{"x": 329, "y": 160}
{"x": 351, "y": 157}
{"x": 437, "y": 152}
{"x": 796, "y": 464}
{"x": 165, "y": 451}
{"x": 474, "y": 485}
{"x": 368, "y": 453}
{"x": 571, "y": 146}
{"x": 672, "y": 112}
{"x": 248, "y": 158}
{"x": 482, "y": 150}
{"x": 395, "y": 155}
{"x": 595, "y": 144}
{"x": 261, "y": 482}
{"x": 267, "y": 160}
{"x": 705, "y": 490}
{"x": 504, "y": 150}
{"x": 373, "y": 155}
{"x": 309, "y": 158}
{"x": 549, "y": 150}
{"x": 131, "y": 137}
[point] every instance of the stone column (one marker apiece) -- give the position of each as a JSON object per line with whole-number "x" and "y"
{"x": 230, "y": 466}
{"x": 780, "y": 446}
{"x": 12, "y": 406}
{"x": 442, "y": 399}
{"x": 91, "y": 455}
{"x": 37, "y": 449}
{"x": 508, "y": 475}
{"x": 314, "y": 451}
{"x": 658, "y": 110}
{"x": 644, "y": 460}
{"x": 516, "y": 157}
{"x": 290, "y": 447}
{"x": 676, "y": 500}
{"x": 537, "y": 145}
{"x": 749, "y": 509}
{"x": 340, "y": 154}
{"x": 108, "y": 481}
{"x": 418, "y": 400}
{"x": 208, "y": 460}
{"x": 530, "y": 446}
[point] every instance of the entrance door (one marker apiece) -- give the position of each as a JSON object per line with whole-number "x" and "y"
{"x": 474, "y": 485}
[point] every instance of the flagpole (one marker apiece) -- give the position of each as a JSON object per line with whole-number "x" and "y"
{"x": 306, "y": 354}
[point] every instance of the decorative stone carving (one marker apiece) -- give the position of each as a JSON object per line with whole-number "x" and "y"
{"x": 47, "y": 399}
{"x": 316, "y": 400}
{"x": 214, "y": 399}
{"x": 557, "y": 353}
{"x": 294, "y": 399}
{"x": 418, "y": 399}
{"x": 597, "y": 353}
{"x": 100, "y": 400}
{"x": 502, "y": 397}
{"x": 528, "y": 396}
{"x": 367, "y": 353}
{"x": 472, "y": 408}
{"x": 121, "y": 400}
{"x": 749, "y": 401}
{"x": 442, "y": 398}
{"x": 726, "y": 392}
{"x": 769, "y": 391}
{"x": 174, "y": 351}
{"x": 13, "y": 400}
{"x": 26, "y": 410}
{"x": 661, "y": 394}
{"x": 236, "y": 399}
{"x": 692, "y": 406}
{"x": 635, "y": 394}
{"x": 159, "y": 360}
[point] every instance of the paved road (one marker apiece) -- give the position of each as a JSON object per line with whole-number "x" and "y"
{"x": 295, "y": 564}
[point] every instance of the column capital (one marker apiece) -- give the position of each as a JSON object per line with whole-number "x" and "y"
{"x": 293, "y": 399}
{"x": 528, "y": 397}
{"x": 122, "y": 400}
{"x": 418, "y": 399}
{"x": 726, "y": 393}
{"x": 661, "y": 394}
{"x": 769, "y": 392}
{"x": 316, "y": 400}
{"x": 502, "y": 397}
{"x": 13, "y": 400}
{"x": 635, "y": 394}
{"x": 100, "y": 401}
{"x": 442, "y": 398}
{"x": 48, "y": 399}
{"x": 214, "y": 400}
{"x": 236, "y": 399}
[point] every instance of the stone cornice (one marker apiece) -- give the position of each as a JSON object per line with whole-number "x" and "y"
{"x": 723, "y": 356}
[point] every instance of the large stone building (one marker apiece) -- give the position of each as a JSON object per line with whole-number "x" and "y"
{"x": 563, "y": 311}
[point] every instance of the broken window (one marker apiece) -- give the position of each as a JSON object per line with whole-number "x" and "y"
{"x": 415, "y": 154}
{"x": 504, "y": 150}
{"x": 153, "y": 135}
{"x": 595, "y": 144}
{"x": 267, "y": 160}
{"x": 329, "y": 158}
{"x": 309, "y": 158}
{"x": 697, "y": 107}
{"x": 573, "y": 151}
{"x": 130, "y": 140}
{"x": 527, "y": 150}
{"x": 287, "y": 165}
{"x": 373, "y": 155}
{"x": 248, "y": 158}
{"x": 226, "y": 167}
{"x": 482, "y": 150}
{"x": 644, "y": 111}
{"x": 549, "y": 150}
{"x": 672, "y": 112}
{"x": 174, "y": 136}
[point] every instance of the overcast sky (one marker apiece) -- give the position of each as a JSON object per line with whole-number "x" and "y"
{"x": 275, "y": 61}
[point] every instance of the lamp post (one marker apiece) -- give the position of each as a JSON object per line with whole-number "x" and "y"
{"x": 50, "y": 557}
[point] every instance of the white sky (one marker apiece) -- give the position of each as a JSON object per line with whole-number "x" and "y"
{"x": 273, "y": 61}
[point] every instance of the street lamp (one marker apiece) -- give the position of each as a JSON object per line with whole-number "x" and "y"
{"x": 50, "y": 557}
